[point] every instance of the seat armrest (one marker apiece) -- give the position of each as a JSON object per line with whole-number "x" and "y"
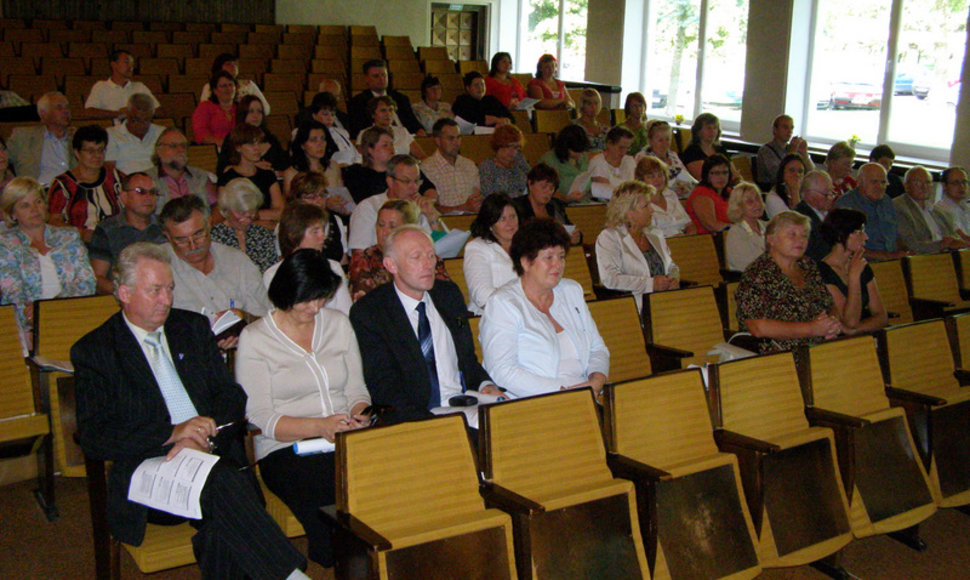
{"x": 604, "y": 293}
{"x": 890, "y": 314}
{"x": 731, "y": 441}
{"x": 825, "y": 418}
{"x": 364, "y": 532}
{"x": 904, "y": 396}
{"x": 684, "y": 283}
{"x": 507, "y": 500}
{"x": 629, "y": 468}
{"x": 666, "y": 358}
{"x": 962, "y": 376}
{"x": 730, "y": 275}
{"x": 931, "y": 303}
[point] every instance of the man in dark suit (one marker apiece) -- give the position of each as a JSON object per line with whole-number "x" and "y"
{"x": 413, "y": 334}
{"x": 817, "y": 199}
{"x": 375, "y": 72}
{"x": 150, "y": 382}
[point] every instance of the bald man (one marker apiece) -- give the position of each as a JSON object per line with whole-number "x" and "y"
{"x": 870, "y": 198}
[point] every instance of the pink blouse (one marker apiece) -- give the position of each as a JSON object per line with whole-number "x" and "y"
{"x": 504, "y": 93}
{"x": 546, "y": 93}
{"x": 209, "y": 120}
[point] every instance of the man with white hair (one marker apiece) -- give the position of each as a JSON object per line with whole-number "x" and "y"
{"x": 818, "y": 195}
{"x": 44, "y": 151}
{"x": 132, "y": 143}
{"x": 919, "y": 229}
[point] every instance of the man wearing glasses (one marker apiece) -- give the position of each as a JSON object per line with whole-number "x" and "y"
{"x": 953, "y": 207}
{"x": 403, "y": 182}
{"x": 172, "y": 174}
{"x": 135, "y": 223}
{"x": 818, "y": 196}
{"x": 210, "y": 278}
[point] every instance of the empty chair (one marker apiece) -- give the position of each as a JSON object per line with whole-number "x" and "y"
{"x": 681, "y": 327}
{"x": 552, "y": 121}
{"x": 692, "y": 509}
{"x": 158, "y": 66}
{"x": 577, "y": 268}
{"x": 697, "y": 258}
{"x": 618, "y": 322}
{"x": 844, "y": 389}
{"x": 442, "y": 524}
{"x": 544, "y": 462}
{"x": 933, "y": 287}
{"x": 892, "y": 290}
{"x": 791, "y": 481}
{"x": 918, "y": 365}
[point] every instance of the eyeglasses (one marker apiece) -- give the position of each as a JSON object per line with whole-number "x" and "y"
{"x": 93, "y": 150}
{"x": 828, "y": 194}
{"x": 196, "y": 238}
{"x": 145, "y": 191}
{"x": 417, "y": 182}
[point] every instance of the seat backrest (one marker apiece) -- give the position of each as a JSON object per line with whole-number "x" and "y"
{"x": 577, "y": 268}
{"x": 731, "y": 304}
{"x": 473, "y": 323}
{"x": 618, "y": 323}
{"x": 961, "y": 328}
{"x": 846, "y": 377}
{"x": 590, "y": 220}
{"x": 743, "y": 164}
{"x": 204, "y": 157}
{"x": 16, "y": 393}
{"x": 60, "y": 322}
{"x": 687, "y": 319}
{"x": 543, "y": 445}
{"x": 459, "y": 222}
{"x": 456, "y": 271}
{"x": 408, "y": 473}
{"x": 478, "y": 148}
{"x": 536, "y": 145}
{"x": 892, "y": 290}
{"x": 919, "y": 358}
{"x": 696, "y": 256}
{"x": 933, "y": 276}
{"x": 551, "y": 121}
{"x": 661, "y": 420}
{"x": 760, "y": 396}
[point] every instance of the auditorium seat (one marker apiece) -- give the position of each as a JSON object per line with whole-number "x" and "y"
{"x": 618, "y": 322}
{"x": 697, "y": 258}
{"x": 892, "y": 290}
{"x": 933, "y": 288}
{"x": 681, "y": 327}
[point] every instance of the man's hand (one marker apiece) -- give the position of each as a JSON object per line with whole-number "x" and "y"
{"x": 473, "y": 203}
{"x": 193, "y": 433}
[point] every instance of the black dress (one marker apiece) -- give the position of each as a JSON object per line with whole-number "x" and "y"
{"x": 829, "y": 276}
{"x": 263, "y": 179}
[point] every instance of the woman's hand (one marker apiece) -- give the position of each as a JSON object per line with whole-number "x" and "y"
{"x": 330, "y": 426}
{"x": 856, "y": 265}
{"x": 661, "y": 283}
{"x": 826, "y": 326}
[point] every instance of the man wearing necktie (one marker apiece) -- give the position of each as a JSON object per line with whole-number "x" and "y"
{"x": 151, "y": 382}
{"x": 413, "y": 333}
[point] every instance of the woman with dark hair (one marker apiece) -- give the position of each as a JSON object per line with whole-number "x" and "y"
{"x": 477, "y": 107}
{"x": 614, "y": 166}
{"x": 506, "y": 171}
{"x": 300, "y": 367}
{"x": 569, "y": 156}
{"x": 707, "y": 205}
{"x": 635, "y": 110}
{"x": 847, "y": 276}
{"x": 369, "y": 177}
{"x": 249, "y": 111}
{"x": 659, "y": 136}
{"x": 215, "y": 117}
{"x": 324, "y": 110}
{"x": 87, "y": 194}
{"x": 537, "y": 333}
{"x": 501, "y": 84}
{"x": 550, "y": 91}
{"x": 786, "y": 193}
{"x": 305, "y": 226}
{"x": 246, "y": 144}
{"x": 542, "y": 182}
{"x": 705, "y": 140}
{"x": 381, "y": 110}
{"x": 431, "y": 108}
{"x": 486, "y": 263}
{"x": 310, "y": 152}
{"x": 311, "y": 188}
{"x": 229, "y": 63}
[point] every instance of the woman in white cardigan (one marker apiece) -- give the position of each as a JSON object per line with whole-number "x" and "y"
{"x": 486, "y": 264}
{"x": 537, "y": 333}
{"x": 629, "y": 255}
{"x": 745, "y": 241}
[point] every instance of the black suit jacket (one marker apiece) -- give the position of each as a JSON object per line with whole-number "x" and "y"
{"x": 393, "y": 364}
{"x": 817, "y": 248}
{"x": 357, "y": 111}
{"x": 121, "y": 414}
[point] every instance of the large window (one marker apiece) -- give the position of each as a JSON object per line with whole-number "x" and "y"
{"x": 556, "y": 27}
{"x": 679, "y": 29}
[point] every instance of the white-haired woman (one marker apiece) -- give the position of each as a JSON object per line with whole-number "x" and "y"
{"x": 239, "y": 202}
{"x": 745, "y": 241}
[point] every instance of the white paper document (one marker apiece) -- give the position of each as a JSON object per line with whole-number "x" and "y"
{"x": 526, "y": 104}
{"x": 224, "y": 322}
{"x": 173, "y": 486}
{"x": 344, "y": 194}
{"x": 451, "y": 244}
{"x": 315, "y": 445}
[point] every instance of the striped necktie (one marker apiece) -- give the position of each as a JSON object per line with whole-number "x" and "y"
{"x": 427, "y": 349}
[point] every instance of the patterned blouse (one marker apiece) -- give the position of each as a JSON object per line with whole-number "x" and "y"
{"x": 85, "y": 205}
{"x": 20, "y": 277}
{"x": 367, "y": 272}
{"x": 260, "y": 243}
{"x": 766, "y": 292}
{"x": 512, "y": 181}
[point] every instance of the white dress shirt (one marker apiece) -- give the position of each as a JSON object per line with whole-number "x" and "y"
{"x": 445, "y": 355}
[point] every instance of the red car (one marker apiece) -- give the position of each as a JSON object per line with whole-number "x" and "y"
{"x": 855, "y": 95}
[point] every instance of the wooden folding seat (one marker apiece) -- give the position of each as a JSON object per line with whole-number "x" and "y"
{"x": 288, "y": 66}
{"x": 96, "y": 25}
{"x": 364, "y": 40}
{"x": 186, "y": 84}
{"x": 270, "y": 38}
{"x": 467, "y": 66}
{"x": 918, "y": 365}
{"x": 32, "y": 87}
{"x": 77, "y": 87}
{"x": 544, "y": 462}
{"x": 681, "y": 327}
{"x": 253, "y": 66}
{"x": 728, "y": 306}
{"x": 235, "y": 27}
{"x": 7, "y": 50}
{"x": 201, "y": 66}
{"x": 49, "y": 24}
{"x": 432, "y": 53}
{"x": 159, "y": 66}
{"x": 65, "y": 36}
{"x": 41, "y": 50}
{"x": 302, "y": 29}
{"x": 61, "y": 67}
{"x": 334, "y": 48}
{"x": 225, "y": 37}
{"x": 127, "y": 25}
{"x": 408, "y": 81}
{"x": 435, "y": 67}
{"x": 697, "y": 258}
{"x": 138, "y": 50}
{"x": 58, "y": 324}
{"x": 260, "y": 51}
{"x": 207, "y": 27}
{"x": 281, "y": 127}
{"x": 8, "y": 23}
{"x": 475, "y": 147}
{"x": 113, "y": 37}
{"x": 400, "y": 53}
{"x": 933, "y": 288}
{"x": 456, "y": 271}
{"x": 88, "y": 50}
{"x": 24, "y": 415}
{"x": 20, "y": 36}
{"x": 194, "y": 38}
{"x": 19, "y": 66}
{"x": 180, "y": 52}
{"x": 552, "y": 121}
{"x": 214, "y": 49}
{"x": 892, "y": 290}
{"x": 153, "y": 37}
{"x": 590, "y": 219}
{"x": 302, "y": 52}
{"x": 328, "y": 66}
{"x": 269, "y": 28}
{"x": 280, "y": 82}
{"x": 745, "y": 169}
{"x": 681, "y": 140}
{"x": 788, "y": 468}
{"x": 693, "y": 516}
{"x": 523, "y": 122}
{"x": 430, "y": 520}
{"x": 404, "y": 66}
{"x": 872, "y": 439}
{"x": 458, "y": 221}
{"x": 577, "y": 269}
{"x": 166, "y": 26}
{"x": 958, "y": 331}
{"x": 333, "y": 29}
{"x": 203, "y": 156}
{"x": 536, "y": 145}
{"x": 177, "y": 105}
{"x": 523, "y": 78}
{"x": 961, "y": 260}
{"x": 152, "y": 81}
{"x": 388, "y": 40}
{"x": 618, "y": 323}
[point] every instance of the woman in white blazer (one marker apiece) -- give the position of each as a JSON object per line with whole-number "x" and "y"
{"x": 486, "y": 264}
{"x": 537, "y": 333}
{"x": 629, "y": 255}
{"x": 745, "y": 241}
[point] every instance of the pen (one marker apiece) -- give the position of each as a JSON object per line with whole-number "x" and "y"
{"x": 232, "y": 304}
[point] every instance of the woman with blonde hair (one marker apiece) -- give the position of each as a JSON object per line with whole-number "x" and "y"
{"x": 590, "y": 105}
{"x": 629, "y": 255}
{"x": 745, "y": 241}
{"x": 669, "y": 216}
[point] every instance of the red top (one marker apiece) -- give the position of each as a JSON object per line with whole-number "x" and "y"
{"x": 210, "y": 120}
{"x": 720, "y": 207}
{"x": 546, "y": 93}
{"x": 504, "y": 93}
